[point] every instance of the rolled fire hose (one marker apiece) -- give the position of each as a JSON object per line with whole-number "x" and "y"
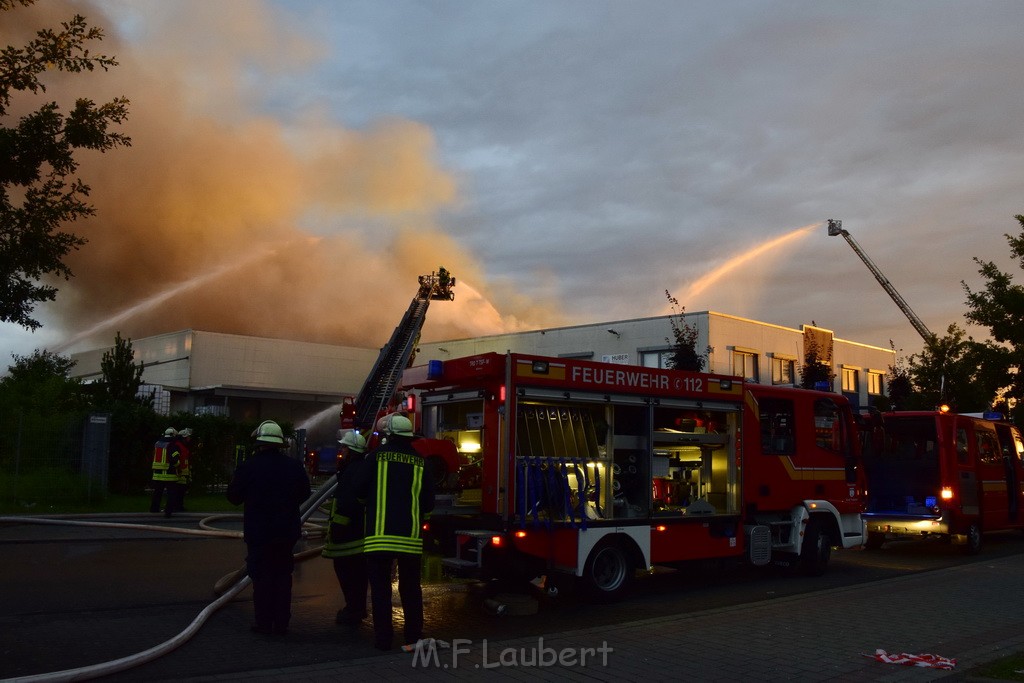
{"x": 238, "y": 578}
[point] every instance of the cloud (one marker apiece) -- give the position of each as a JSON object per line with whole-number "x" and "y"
{"x": 573, "y": 159}
{"x": 224, "y": 219}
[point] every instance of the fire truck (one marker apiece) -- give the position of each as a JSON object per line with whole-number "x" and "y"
{"x": 941, "y": 475}
{"x": 594, "y": 470}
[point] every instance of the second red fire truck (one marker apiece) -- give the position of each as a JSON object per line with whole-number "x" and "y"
{"x": 598, "y": 470}
{"x": 940, "y": 475}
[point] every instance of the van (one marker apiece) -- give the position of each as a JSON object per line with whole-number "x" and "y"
{"x": 941, "y": 475}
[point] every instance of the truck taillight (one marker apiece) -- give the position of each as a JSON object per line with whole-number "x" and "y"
{"x": 947, "y": 493}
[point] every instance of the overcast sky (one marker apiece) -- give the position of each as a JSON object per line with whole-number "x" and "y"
{"x": 296, "y": 163}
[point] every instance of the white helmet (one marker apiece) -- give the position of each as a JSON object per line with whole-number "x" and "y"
{"x": 268, "y": 432}
{"x": 395, "y": 423}
{"x": 355, "y": 442}
{"x": 170, "y": 432}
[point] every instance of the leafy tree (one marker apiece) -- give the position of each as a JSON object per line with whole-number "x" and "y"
{"x": 815, "y": 367}
{"x": 951, "y": 370}
{"x": 41, "y": 412}
{"x": 121, "y": 376}
{"x": 41, "y": 382}
{"x": 39, "y": 192}
{"x": 684, "y": 340}
{"x": 1000, "y": 307}
{"x": 900, "y": 388}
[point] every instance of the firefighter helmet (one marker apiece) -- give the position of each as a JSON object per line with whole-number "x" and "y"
{"x": 395, "y": 423}
{"x": 268, "y": 432}
{"x": 170, "y": 432}
{"x": 354, "y": 441}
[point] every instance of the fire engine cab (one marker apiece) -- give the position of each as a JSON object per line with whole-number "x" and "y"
{"x": 941, "y": 475}
{"x": 598, "y": 470}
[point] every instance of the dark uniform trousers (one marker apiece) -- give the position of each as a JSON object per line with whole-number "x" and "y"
{"x": 378, "y": 566}
{"x": 270, "y": 567}
{"x": 353, "y": 579}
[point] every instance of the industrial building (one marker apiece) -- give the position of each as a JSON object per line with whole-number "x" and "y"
{"x": 304, "y": 383}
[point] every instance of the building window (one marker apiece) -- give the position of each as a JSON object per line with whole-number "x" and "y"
{"x": 783, "y": 370}
{"x": 656, "y": 359}
{"x": 744, "y": 364}
{"x": 875, "y": 385}
{"x": 850, "y": 381}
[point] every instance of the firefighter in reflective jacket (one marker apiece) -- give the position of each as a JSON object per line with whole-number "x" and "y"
{"x": 398, "y": 497}
{"x": 184, "y": 467}
{"x": 344, "y": 544}
{"x": 166, "y": 456}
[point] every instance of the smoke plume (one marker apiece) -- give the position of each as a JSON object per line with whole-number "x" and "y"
{"x": 217, "y": 219}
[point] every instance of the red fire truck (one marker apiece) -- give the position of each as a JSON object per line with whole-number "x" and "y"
{"x": 935, "y": 474}
{"x": 598, "y": 470}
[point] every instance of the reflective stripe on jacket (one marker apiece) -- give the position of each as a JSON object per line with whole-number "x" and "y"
{"x": 345, "y": 530}
{"x": 398, "y": 496}
{"x": 344, "y": 537}
{"x": 166, "y": 455}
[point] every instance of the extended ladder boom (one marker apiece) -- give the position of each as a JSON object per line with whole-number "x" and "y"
{"x": 394, "y": 356}
{"x": 836, "y": 228}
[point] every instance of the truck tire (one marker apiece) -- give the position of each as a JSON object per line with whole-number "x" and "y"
{"x": 608, "y": 572}
{"x": 973, "y": 545}
{"x": 816, "y": 550}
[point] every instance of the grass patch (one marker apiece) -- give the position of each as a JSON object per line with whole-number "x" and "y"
{"x": 112, "y": 503}
{"x": 1006, "y": 669}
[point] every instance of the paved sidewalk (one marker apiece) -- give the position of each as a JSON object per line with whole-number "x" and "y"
{"x": 971, "y": 613}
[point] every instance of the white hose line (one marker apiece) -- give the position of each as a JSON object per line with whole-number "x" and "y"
{"x": 310, "y": 529}
{"x": 106, "y": 668}
{"x": 239, "y": 576}
{"x": 122, "y": 525}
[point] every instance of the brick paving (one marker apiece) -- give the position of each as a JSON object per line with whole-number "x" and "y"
{"x": 970, "y": 612}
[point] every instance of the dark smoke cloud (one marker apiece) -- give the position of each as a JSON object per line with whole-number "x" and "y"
{"x": 303, "y": 230}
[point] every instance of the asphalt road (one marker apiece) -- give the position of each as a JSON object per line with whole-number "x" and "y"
{"x": 76, "y": 597}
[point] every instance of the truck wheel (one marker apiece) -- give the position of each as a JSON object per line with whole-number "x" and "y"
{"x": 608, "y": 572}
{"x": 875, "y": 540}
{"x": 816, "y": 550}
{"x": 973, "y": 545}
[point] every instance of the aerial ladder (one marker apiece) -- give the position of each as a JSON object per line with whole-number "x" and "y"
{"x": 397, "y": 354}
{"x": 836, "y": 228}
{"x": 380, "y": 385}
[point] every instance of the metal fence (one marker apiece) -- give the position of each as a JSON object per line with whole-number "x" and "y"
{"x": 52, "y": 460}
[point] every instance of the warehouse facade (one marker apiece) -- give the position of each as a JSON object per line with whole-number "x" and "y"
{"x": 304, "y": 383}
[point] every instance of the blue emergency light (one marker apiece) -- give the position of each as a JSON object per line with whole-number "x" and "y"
{"x": 435, "y": 369}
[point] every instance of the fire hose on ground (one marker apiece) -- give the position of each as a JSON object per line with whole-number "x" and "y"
{"x": 226, "y": 588}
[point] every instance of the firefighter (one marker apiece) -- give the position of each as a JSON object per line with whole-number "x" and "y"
{"x": 166, "y": 456}
{"x": 392, "y": 484}
{"x": 272, "y": 487}
{"x": 344, "y": 543}
{"x": 184, "y": 469}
